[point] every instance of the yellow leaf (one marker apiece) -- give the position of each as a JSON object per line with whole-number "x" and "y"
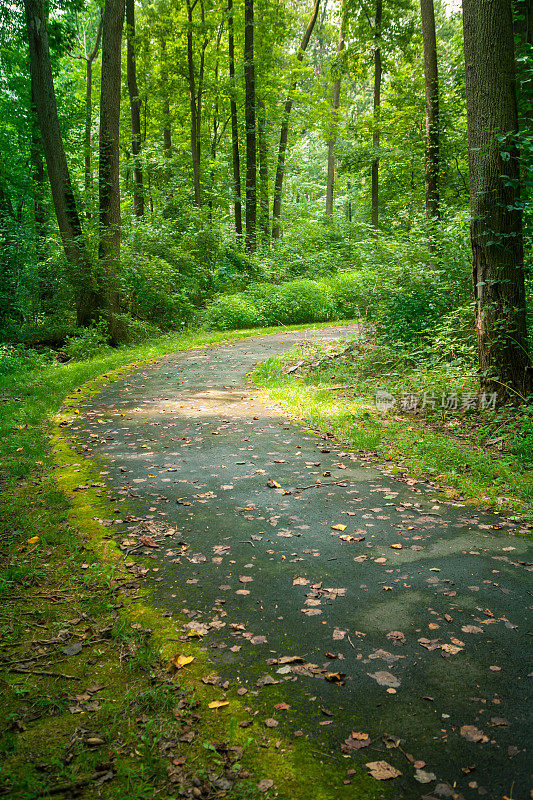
{"x": 347, "y": 538}
{"x": 33, "y": 540}
{"x": 182, "y": 661}
{"x": 338, "y": 527}
{"x": 218, "y": 703}
{"x": 397, "y": 546}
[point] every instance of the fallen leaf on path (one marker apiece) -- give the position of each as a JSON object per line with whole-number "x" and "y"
{"x": 385, "y": 678}
{"x": 282, "y": 707}
{"x": 424, "y": 777}
{"x": 273, "y": 484}
{"x": 396, "y": 546}
{"x": 335, "y": 677}
{"x": 218, "y": 703}
{"x": 338, "y": 527}
{"x": 265, "y": 785}
{"x": 382, "y": 771}
{"x": 473, "y": 734}
{"x": 299, "y": 581}
{"x": 396, "y": 636}
{"x": 180, "y": 661}
{"x": 471, "y": 629}
{"x": 271, "y": 723}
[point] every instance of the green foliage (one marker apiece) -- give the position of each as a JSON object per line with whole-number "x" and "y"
{"x": 233, "y": 313}
{"x": 88, "y": 342}
{"x": 14, "y": 358}
{"x": 296, "y": 302}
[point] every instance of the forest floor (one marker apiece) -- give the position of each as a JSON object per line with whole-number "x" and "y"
{"x": 212, "y": 601}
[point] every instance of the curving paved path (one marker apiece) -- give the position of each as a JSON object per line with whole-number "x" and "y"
{"x": 431, "y": 636}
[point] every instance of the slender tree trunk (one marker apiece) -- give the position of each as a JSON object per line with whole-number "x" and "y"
{"x": 431, "y": 75}
{"x": 108, "y": 182}
{"x": 80, "y": 272}
{"x": 251, "y": 133}
{"x": 195, "y": 123}
{"x": 284, "y": 132}
{"x": 167, "y": 135}
{"x": 378, "y": 72}
{"x": 135, "y": 109}
{"x": 234, "y": 125}
{"x": 264, "y": 222}
{"x": 38, "y": 181}
{"x": 335, "y": 101}
{"x": 216, "y": 109}
{"x": 87, "y": 141}
{"x": 496, "y": 227}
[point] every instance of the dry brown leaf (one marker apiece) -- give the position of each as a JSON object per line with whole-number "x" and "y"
{"x": 382, "y": 771}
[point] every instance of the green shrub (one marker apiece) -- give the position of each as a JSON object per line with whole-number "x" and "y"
{"x": 233, "y": 312}
{"x": 87, "y": 342}
{"x": 352, "y": 294}
{"x": 296, "y": 302}
{"x": 14, "y": 358}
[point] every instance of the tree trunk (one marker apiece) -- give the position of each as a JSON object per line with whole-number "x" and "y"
{"x": 431, "y": 76}
{"x": 496, "y": 226}
{"x": 109, "y": 186}
{"x": 234, "y": 125}
{"x": 87, "y": 141}
{"x": 38, "y": 181}
{"x": 195, "y": 109}
{"x": 251, "y": 134}
{"x": 284, "y": 132}
{"x": 68, "y": 220}
{"x": 135, "y": 109}
{"x": 264, "y": 223}
{"x": 335, "y": 101}
{"x": 167, "y": 136}
{"x": 378, "y": 72}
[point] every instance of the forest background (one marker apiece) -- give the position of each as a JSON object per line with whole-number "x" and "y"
{"x": 243, "y": 165}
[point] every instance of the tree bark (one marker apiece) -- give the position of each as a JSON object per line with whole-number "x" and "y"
{"x": 80, "y": 272}
{"x": 378, "y": 72}
{"x": 195, "y": 96}
{"x": 87, "y": 141}
{"x": 264, "y": 223}
{"x": 251, "y": 133}
{"x": 167, "y": 135}
{"x": 496, "y": 220}
{"x": 234, "y": 125}
{"x": 135, "y": 110}
{"x": 431, "y": 77}
{"x": 108, "y": 182}
{"x": 284, "y": 132}
{"x": 335, "y": 101}
{"x": 38, "y": 181}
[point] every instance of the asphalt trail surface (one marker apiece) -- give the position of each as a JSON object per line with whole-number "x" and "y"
{"x": 426, "y": 643}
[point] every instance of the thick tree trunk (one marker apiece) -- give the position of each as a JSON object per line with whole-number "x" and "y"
{"x": 335, "y": 101}
{"x": 264, "y": 223}
{"x": 284, "y": 132}
{"x": 135, "y": 109}
{"x": 431, "y": 76}
{"x": 234, "y": 125}
{"x": 80, "y": 272}
{"x": 167, "y": 135}
{"x": 108, "y": 183}
{"x": 496, "y": 227}
{"x": 87, "y": 140}
{"x": 378, "y": 72}
{"x": 251, "y": 133}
